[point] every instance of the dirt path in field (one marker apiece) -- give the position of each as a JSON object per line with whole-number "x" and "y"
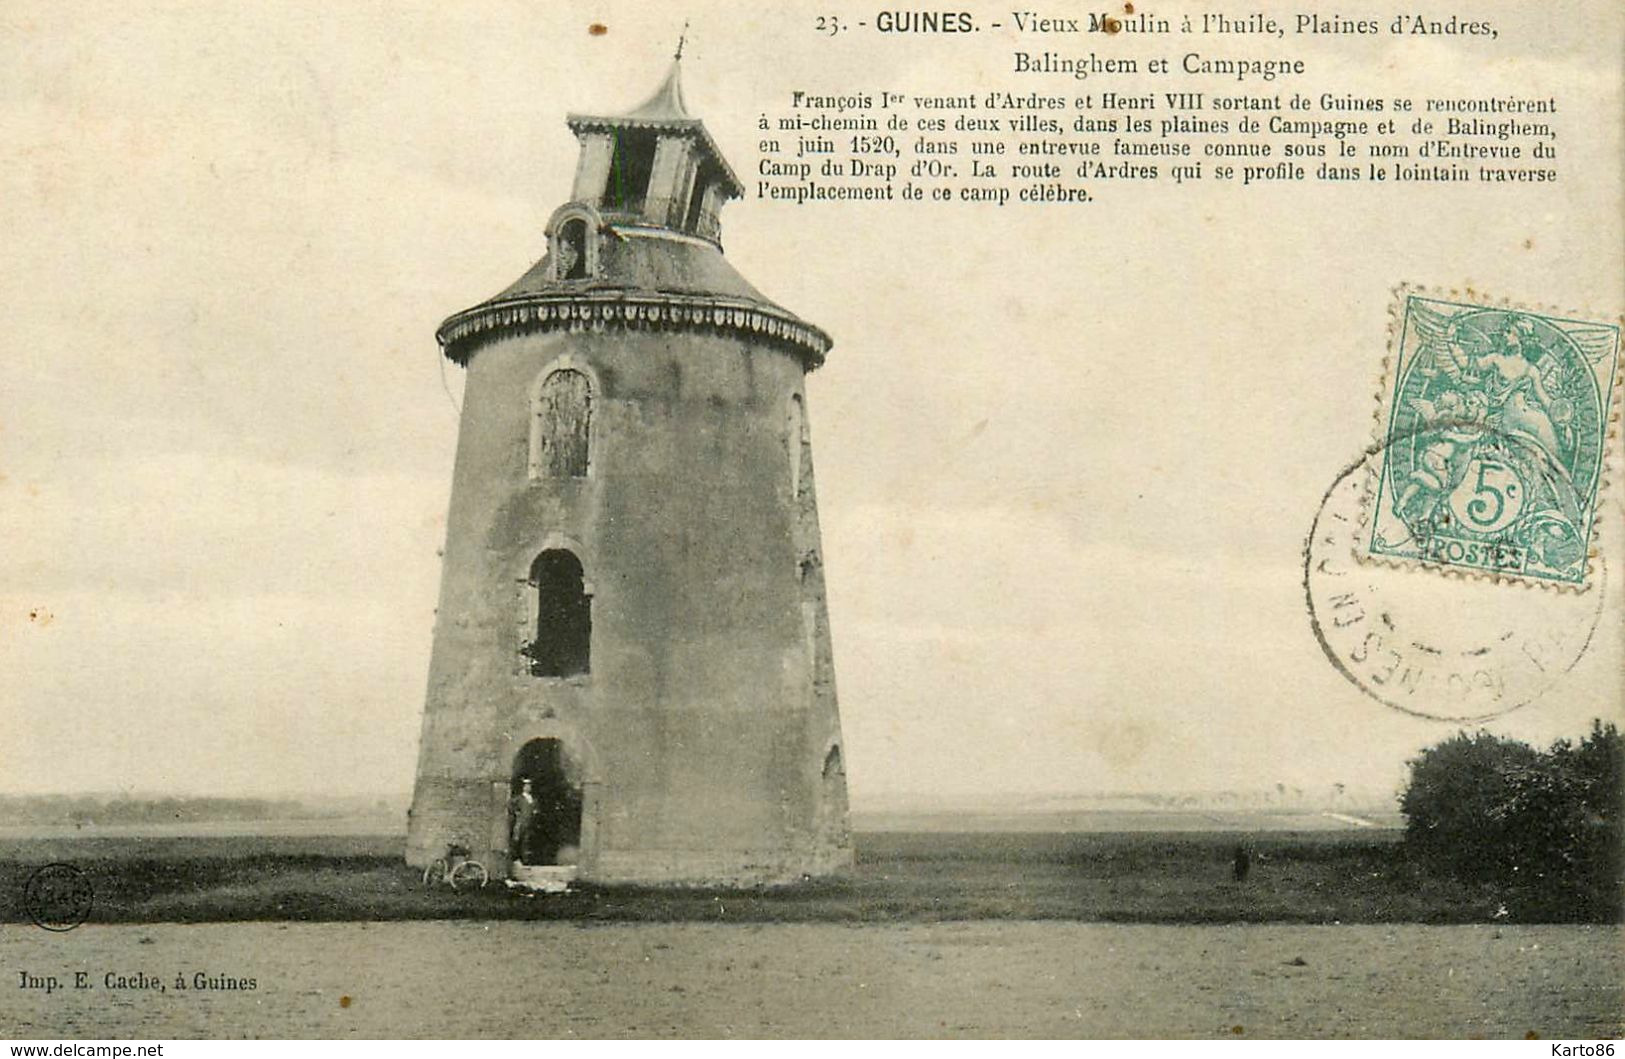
{"x": 1024, "y": 979}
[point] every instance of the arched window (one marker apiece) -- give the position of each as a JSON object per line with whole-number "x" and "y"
{"x": 563, "y": 643}
{"x": 573, "y": 241}
{"x": 573, "y": 250}
{"x": 561, "y": 422}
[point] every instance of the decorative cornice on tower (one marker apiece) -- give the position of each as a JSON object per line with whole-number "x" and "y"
{"x": 463, "y": 333}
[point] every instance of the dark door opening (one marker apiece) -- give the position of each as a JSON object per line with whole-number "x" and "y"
{"x": 544, "y": 810}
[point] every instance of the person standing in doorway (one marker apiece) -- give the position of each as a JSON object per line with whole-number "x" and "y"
{"x": 521, "y": 821}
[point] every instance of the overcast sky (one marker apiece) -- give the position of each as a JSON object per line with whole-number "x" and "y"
{"x": 1067, "y": 456}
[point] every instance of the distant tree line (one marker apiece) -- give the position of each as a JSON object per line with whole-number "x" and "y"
{"x": 1542, "y": 826}
{"x": 1281, "y": 796}
{"x": 103, "y": 809}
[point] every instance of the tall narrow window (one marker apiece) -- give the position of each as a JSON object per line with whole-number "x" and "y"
{"x": 629, "y": 170}
{"x": 696, "y": 202}
{"x": 563, "y": 643}
{"x": 562, "y": 427}
{"x": 794, "y": 431}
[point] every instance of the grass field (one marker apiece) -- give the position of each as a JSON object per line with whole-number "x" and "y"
{"x": 1296, "y": 877}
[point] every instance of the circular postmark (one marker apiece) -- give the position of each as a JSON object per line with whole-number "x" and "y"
{"x": 1434, "y": 644}
{"x": 58, "y": 897}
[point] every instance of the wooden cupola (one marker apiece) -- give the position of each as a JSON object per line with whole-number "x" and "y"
{"x": 656, "y": 166}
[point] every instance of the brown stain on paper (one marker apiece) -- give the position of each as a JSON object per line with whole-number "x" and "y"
{"x": 597, "y": 29}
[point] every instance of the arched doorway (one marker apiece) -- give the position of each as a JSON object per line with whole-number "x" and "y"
{"x": 544, "y": 814}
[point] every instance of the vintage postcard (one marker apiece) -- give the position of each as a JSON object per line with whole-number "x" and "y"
{"x": 542, "y": 521}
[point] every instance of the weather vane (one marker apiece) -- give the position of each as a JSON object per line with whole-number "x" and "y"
{"x": 681, "y": 39}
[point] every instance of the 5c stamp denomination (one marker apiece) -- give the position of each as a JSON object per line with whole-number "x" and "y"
{"x": 1492, "y": 435}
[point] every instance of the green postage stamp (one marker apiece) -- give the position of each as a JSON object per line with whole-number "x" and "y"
{"x": 1492, "y": 437}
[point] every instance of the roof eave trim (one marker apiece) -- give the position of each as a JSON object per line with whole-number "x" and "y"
{"x": 590, "y": 310}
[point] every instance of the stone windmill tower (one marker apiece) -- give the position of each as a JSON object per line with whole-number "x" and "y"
{"x": 631, "y": 678}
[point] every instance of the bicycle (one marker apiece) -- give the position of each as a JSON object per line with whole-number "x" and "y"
{"x": 457, "y": 870}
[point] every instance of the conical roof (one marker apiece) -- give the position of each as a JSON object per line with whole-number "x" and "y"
{"x": 667, "y": 102}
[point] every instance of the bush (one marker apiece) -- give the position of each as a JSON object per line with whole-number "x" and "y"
{"x": 1545, "y": 826}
